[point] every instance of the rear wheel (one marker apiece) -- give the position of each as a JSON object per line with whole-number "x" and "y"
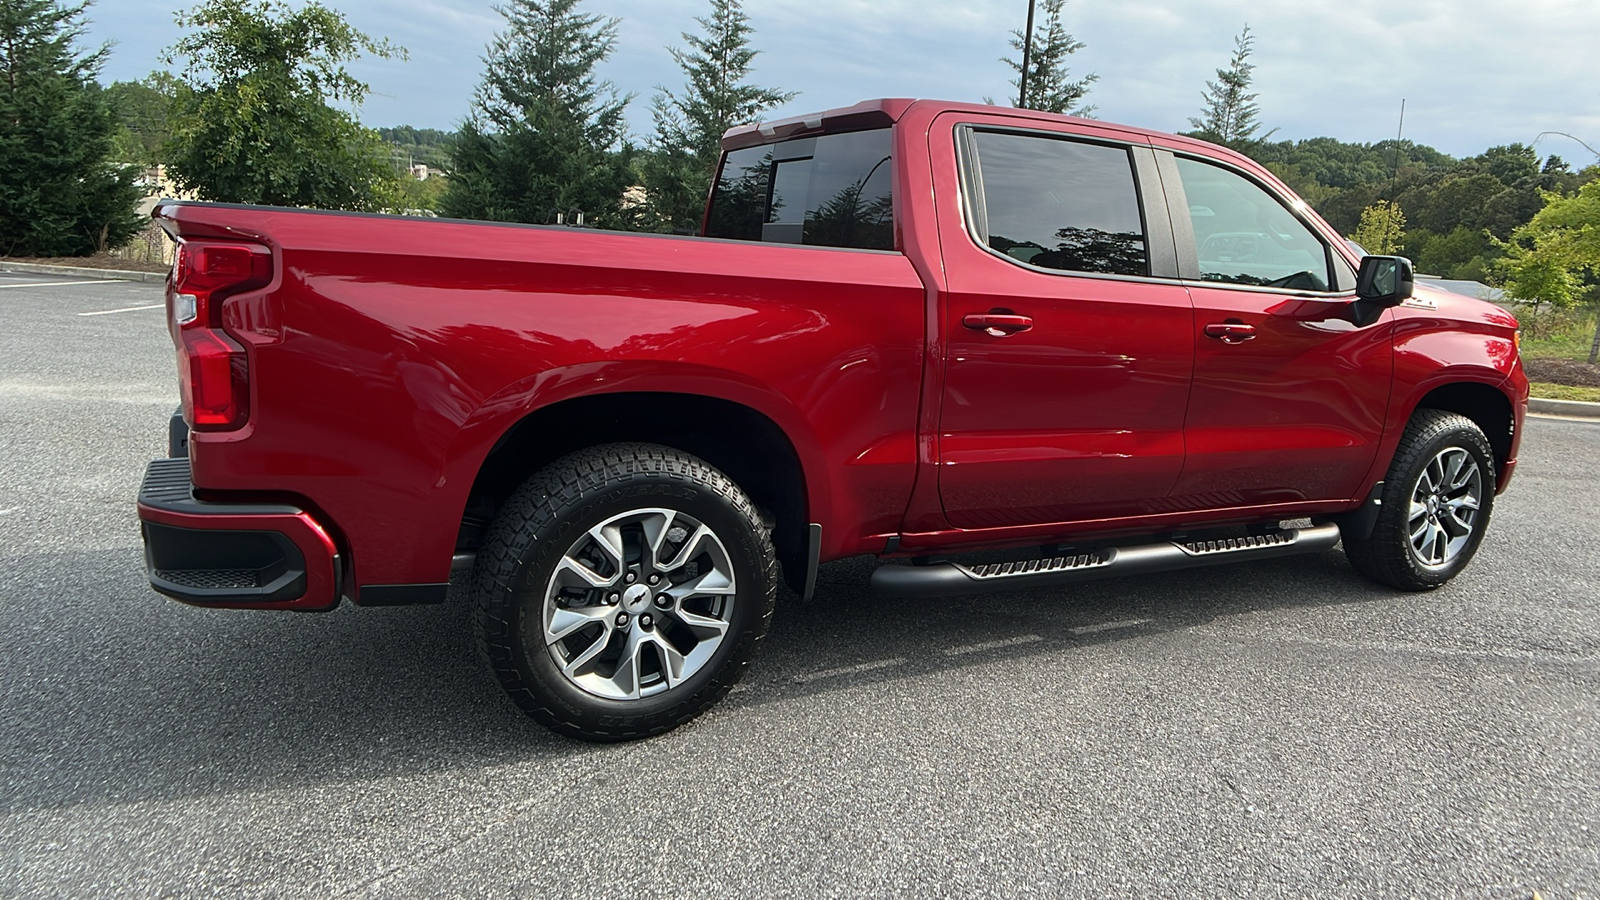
{"x": 622, "y": 590}
{"x": 1436, "y": 504}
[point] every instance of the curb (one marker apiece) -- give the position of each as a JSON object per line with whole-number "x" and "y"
{"x": 111, "y": 274}
{"x": 1574, "y": 408}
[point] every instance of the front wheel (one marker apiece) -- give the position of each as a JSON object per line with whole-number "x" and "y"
{"x": 622, "y": 590}
{"x": 1436, "y": 503}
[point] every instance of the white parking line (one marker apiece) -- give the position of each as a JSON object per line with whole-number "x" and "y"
{"x": 850, "y": 670}
{"x": 60, "y": 283}
{"x": 109, "y": 312}
{"x": 993, "y": 645}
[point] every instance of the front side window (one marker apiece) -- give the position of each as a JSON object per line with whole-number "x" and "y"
{"x": 835, "y": 190}
{"x": 1059, "y": 204}
{"x": 1244, "y": 235}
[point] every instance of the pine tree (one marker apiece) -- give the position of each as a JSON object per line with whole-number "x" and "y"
{"x": 545, "y": 136}
{"x": 1230, "y": 109}
{"x": 690, "y": 125}
{"x": 251, "y": 120}
{"x": 1050, "y": 87}
{"x": 59, "y": 193}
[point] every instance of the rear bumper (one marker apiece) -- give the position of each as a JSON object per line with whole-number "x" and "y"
{"x": 233, "y": 555}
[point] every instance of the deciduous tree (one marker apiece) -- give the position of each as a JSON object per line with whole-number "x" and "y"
{"x": 60, "y": 193}
{"x": 252, "y": 121}
{"x": 1382, "y": 225}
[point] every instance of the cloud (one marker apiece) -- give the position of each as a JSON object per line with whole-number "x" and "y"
{"x": 1473, "y": 72}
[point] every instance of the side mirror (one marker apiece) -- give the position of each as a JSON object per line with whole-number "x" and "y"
{"x": 1382, "y": 282}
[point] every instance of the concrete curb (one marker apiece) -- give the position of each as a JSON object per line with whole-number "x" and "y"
{"x": 80, "y": 272}
{"x": 1574, "y": 408}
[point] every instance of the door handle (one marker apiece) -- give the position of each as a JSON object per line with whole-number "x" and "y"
{"x": 998, "y": 324}
{"x": 1231, "y": 332}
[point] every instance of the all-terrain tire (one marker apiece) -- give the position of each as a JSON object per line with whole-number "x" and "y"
{"x": 544, "y": 525}
{"x": 1391, "y": 555}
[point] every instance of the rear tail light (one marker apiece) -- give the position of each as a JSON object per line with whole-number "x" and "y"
{"x": 213, "y": 367}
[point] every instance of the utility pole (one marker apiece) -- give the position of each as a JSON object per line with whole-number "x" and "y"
{"x": 1027, "y": 54}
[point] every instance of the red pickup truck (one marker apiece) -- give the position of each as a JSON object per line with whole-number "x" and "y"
{"x": 998, "y": 348}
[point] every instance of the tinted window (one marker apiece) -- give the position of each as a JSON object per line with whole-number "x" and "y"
{"x": 1244, "y": 235}
{"x": 832, "y": 191}
{"x": 1061, "y": 204}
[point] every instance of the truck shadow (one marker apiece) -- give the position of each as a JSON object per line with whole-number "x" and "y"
{"x": 121, "y": 696}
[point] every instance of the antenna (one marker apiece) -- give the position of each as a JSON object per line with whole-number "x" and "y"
{"x": 1399, "y": 131}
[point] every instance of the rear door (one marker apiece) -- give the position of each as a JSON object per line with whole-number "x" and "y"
{"x": 1067, "y": 338}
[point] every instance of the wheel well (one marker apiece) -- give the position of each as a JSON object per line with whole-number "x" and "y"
{"x": 1482, "y": 404}
{"x": 747, "y": 446}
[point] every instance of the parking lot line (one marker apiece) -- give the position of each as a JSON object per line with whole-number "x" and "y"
{"x": 58, "y": 283}
{"x": 108, "y": 312}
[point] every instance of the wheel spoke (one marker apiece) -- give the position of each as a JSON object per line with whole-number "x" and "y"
{"x": 626, "y": 678}
{"x": 573, "y": 666}
{"x": 703, "y": 626}
{"x": 672, "y": 662}
{"x": 655, "y": 533}
{"x": 608, "y": 537}
{"x": 580, "y": 569}
{"x": 1417, "y": 511}
{"x": 565, "y": 622}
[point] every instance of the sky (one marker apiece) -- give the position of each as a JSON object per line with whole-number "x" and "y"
{"x": 1472, "y": 73}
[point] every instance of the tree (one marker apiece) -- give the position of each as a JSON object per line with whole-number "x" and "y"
{"x": 1050, "y": 88}
{"x": 1230, "y": 109}
{"x": 143, "y": 110}
{"x": 1382, "y": 225}
{"x": 689, "y": 126}
{"x": 60, "y": 194}
{"x": 545, "y": 136}
{"x": 251, "y": 122}
{"x": 1546, "y": 259}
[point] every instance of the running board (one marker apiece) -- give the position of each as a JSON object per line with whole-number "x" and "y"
{"x": 940, "y": 579}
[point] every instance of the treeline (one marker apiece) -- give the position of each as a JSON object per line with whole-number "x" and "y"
{"x": 251, "y": 108}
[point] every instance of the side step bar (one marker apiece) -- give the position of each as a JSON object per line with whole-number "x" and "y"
{"x": 947, "y": 578}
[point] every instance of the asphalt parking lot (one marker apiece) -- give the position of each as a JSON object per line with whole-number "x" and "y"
{"x": 1280, "y": 729}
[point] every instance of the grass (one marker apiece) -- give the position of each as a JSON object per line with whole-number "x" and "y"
{"x": 1557, "y": 334}
{"x": 1566, "y": 392}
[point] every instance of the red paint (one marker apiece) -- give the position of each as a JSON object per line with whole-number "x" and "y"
{"x": 386, "y": 357}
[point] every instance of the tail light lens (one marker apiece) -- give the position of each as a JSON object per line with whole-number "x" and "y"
{"x": 213, "y": 366}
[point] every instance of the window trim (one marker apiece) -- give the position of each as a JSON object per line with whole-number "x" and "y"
{"x": 1161, "y": 253}
{"x": 1189, "y": 249}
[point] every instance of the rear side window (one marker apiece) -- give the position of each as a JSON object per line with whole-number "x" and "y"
{"x": 835, "y": 190}
{"x": 1058, "y": 204}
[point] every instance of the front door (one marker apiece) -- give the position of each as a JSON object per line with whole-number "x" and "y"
{"x": 1067, "y": 338}
{"x": 1289, "y": 397}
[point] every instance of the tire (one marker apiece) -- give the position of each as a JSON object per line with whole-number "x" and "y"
{"x": 622, "y": 590}
{"x": 1437, "y": 499}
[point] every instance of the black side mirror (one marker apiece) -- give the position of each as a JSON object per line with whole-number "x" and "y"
{"x": 1382, "y": 282}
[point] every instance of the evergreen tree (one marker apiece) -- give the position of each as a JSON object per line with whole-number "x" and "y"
{"x": 689, "y": 126}
{"x": 1050, "y": 87}
{"x": 59, "y": 193}
{"x": 251, "y": 121}
{"x": 1230, "y": 109}
{"x": 545, "y": 136}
